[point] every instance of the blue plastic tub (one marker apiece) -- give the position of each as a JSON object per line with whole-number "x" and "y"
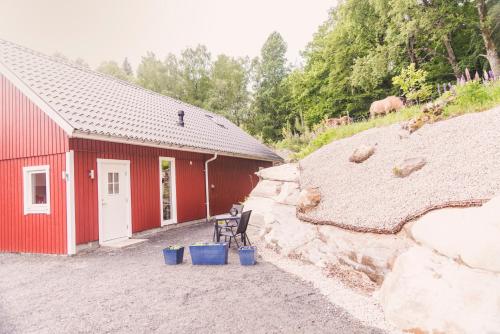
{"x": 173, "y": 256}
{"x": 247, "y": 255}
{"x": 209, "y": 253}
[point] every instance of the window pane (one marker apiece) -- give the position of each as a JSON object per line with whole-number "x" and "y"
{"x": 110, "y": 188}
{"x": 110, "y": 177}
{"x": 116, "y": 177}
{"x": 39, "y": 188}
{"x": 117, "y": 188}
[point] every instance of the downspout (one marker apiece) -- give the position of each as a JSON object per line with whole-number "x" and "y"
{"x": 207, "y": 188}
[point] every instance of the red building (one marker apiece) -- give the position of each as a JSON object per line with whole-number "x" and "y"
{"x": 85, "y": 157}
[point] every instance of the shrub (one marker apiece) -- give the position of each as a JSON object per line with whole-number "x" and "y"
{"x": 413, "y": 84}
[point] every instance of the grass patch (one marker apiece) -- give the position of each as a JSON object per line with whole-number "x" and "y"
{"x": 472, "y": 97}
{"x": 349, "y": 130}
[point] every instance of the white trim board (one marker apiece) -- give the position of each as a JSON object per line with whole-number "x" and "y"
{"x": 70, "y": 203}
{"x": 173, "y": 220}
{"x": 120, "y": 140}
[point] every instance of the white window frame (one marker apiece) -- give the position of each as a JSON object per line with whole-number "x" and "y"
{"x": 30, "y": 208}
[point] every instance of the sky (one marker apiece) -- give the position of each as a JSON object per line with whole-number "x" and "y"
{"x": 98, "y": 30}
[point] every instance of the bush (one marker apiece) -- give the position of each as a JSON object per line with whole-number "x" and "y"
{"x": 413, "y": 84}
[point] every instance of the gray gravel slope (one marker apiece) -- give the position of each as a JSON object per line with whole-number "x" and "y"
{"x": 463, "y": 163}
{"x": 132, "y": 291}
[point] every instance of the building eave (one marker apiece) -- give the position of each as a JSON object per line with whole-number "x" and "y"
{"x": 185, "y": 148}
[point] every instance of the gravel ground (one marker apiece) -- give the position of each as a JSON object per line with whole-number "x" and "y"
{"x": 132, "y": 291}
{"x": 463, "y": 163}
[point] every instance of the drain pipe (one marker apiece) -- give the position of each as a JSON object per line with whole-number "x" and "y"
{"x": 207, "y": 187}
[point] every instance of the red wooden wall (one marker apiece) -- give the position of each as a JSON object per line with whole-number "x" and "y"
{"x": 28, "y": 137}
{"x": 145, "y": 187}
{"x": 233, "y": 179}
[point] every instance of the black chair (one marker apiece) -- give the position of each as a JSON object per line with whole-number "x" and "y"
{"x": 236, "y": 209}
{"x": 241, "y": 230}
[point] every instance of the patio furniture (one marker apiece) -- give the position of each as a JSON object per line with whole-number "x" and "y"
{"x": 223, "y": 222}
{"x": 241, "y": 230}
{"x": 226, "y": 221}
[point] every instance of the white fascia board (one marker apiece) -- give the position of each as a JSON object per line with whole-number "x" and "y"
{"x": 121, "y": 140}
{"x": 30, "y": 94}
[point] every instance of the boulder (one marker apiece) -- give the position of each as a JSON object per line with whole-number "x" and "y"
{"x": 470, "y": 235}
{"x": 286, "y": 172}
{"x": 259, "y": 206}
{"x": 267, "y": 189}
{"x": 285, "y": 233}
{"x": 372, "y": 254}
{"x": 408, "y": 166}
{"x": 362, "y": 153}
{"x": 430, "y": 293}
{"x": 308, "y": 199}
{"x": 289, "y": 194}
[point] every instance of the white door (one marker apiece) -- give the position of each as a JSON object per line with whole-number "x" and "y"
{"x": 114, "y": 199}
{"x": 168, "y": 200}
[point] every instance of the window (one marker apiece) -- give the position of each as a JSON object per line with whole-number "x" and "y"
{"x": 36, "y": 182}
{"x": 113, "y": 183}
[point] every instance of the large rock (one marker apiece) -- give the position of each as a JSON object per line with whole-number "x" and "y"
{"x": 408, "y": 166}
{"x": 362, "y": 153}
{"x": 429, "y": 293}
{"x": 283, "y": 232}
{"x": 469, "y": 235}
{"x": 267, "y": 189}
{"x": 289, "y": 193}
{"x": 308, "y": 199}
{"x": 287, "y": 172}
{"x": 372, "y": 254}
{"x": 259, "y": 206}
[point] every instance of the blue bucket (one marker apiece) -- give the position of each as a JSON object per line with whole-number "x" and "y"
{"x": 209, "y": 254}
{"x": 247, "y": 255}
{"x": 173, "y": 256}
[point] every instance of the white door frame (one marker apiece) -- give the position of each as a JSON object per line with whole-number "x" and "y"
{"x": 125, "y": 163}
{"x": 173, "y": 220}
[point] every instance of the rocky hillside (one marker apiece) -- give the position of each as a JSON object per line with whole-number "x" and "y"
{"x": 395, "y": 176}
{"x": 430, "y": 272}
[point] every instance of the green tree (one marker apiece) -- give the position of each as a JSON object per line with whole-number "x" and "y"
{"x": 195, "y": 66}
{"x": 127, "y": 68}
{"x": 229, "y": 94}
{"x": 151, "y": 74}
{"x": 113, "y": 69}
{"x": 270, "y": 98}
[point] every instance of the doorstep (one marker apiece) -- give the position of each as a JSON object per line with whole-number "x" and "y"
{"x": 122, "y": 243}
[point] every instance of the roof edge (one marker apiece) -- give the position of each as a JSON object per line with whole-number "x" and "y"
{"x": 36, "y": 99}
{"x": 122, "y": 140}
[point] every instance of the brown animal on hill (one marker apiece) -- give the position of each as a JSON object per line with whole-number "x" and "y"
{"x": 385, "y": 106}
{"x": 336, "y": 122}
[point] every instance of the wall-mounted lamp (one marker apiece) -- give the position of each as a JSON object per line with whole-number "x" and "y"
{"x": 91, "y": 174}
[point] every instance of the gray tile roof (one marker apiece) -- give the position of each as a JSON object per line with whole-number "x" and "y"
{"x": 97, "y": 104}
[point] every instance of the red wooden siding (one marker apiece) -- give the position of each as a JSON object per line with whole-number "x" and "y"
{"x": 34, "y": 233}
{"x": 25, "y": 130}
{"x": 145, "y": 186}
{"x": 233, "y": 179}
{"x": 28, "y": 137}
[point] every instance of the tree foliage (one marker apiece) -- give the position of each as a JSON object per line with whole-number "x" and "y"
{"x": 364, "y": 51}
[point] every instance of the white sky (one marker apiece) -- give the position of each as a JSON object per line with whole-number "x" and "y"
{"x": 98, "y": 30}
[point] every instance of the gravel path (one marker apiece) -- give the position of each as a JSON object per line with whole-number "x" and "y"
{"x": 132, "y": 291}
{"x": 463, "y": 163}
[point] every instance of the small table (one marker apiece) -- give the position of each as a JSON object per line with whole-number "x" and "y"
{"x": 230, "y": 222}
